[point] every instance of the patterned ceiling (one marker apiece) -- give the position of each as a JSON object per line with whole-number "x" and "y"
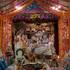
{"x": 7, "y": 6}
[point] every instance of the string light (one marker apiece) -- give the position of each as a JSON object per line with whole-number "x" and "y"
{"x": 56, "y": 7}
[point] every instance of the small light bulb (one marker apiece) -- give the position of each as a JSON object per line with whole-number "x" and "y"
{"x": 59, "y": 6}
{"x": 56, "y": 9}
{"x": 58, "y": 57}
{"x": 18, "y": 7}
{"x": 53, "y": 8}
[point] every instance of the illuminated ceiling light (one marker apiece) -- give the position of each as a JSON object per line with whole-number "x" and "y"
{"x": 18, "y": 7}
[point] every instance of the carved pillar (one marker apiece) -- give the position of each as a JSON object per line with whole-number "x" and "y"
{"x": 0, "y": 35}
{"x": 64, "y": 36}
{"x": 6, "y": 33}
